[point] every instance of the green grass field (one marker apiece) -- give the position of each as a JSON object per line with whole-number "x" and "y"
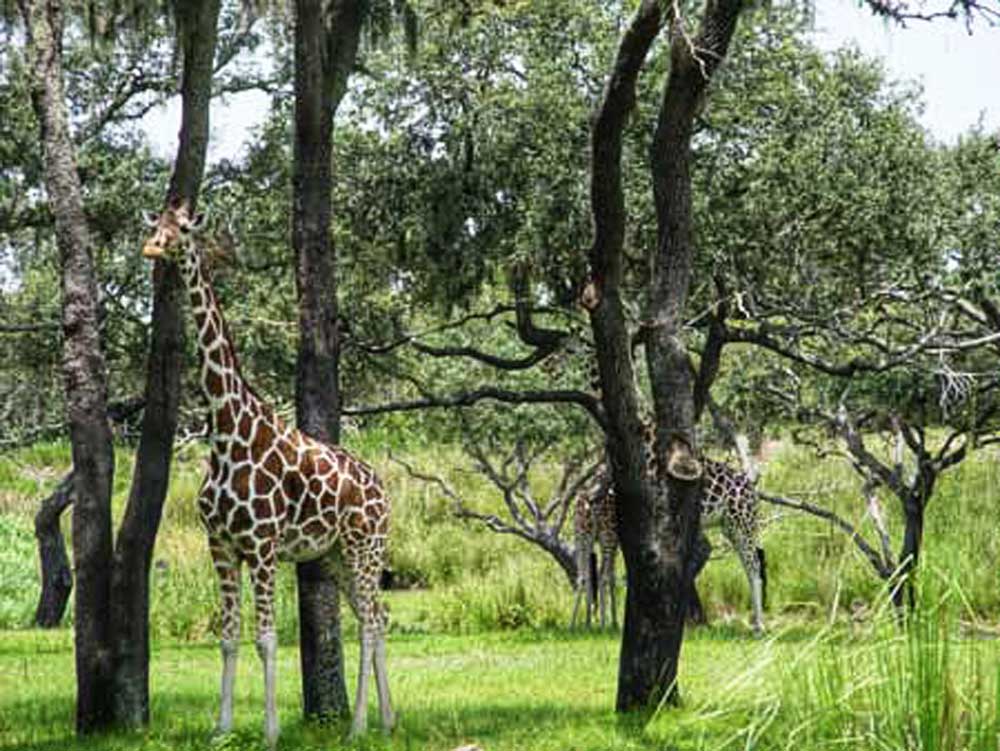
{"x": 481, "y": 653}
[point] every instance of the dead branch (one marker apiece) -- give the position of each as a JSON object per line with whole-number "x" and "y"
{"x": 540, "y": 524}
{"x": 469, "y": 398}
{"x": 882, "y": 568}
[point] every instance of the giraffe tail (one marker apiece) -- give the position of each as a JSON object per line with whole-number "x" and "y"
{"x": 593, "y": 575}
{"x": 762, "y": 562}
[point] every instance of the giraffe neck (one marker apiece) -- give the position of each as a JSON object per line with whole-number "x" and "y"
{"x": 221, "y": 379}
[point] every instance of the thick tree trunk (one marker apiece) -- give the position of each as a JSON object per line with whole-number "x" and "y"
{"x": 326, "y": 44}
{"x": 658, "y": 514}
{"x": 197, "y": 31}
{"x": 84, "y": 371}
{"x": 57, "y": 578}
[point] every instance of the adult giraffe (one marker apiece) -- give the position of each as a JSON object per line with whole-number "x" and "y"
{"x": 274, "y": 493}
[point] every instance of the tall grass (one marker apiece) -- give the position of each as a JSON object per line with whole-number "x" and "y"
{"x": 894, "y": 683}
{"x": 475, "y": 580}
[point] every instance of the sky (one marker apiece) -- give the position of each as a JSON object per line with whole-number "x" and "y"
{"x": 960, "y": 74}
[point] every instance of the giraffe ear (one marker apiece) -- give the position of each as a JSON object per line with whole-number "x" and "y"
{"x": 150, "y": 218}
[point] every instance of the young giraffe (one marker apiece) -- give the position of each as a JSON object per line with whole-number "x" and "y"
{"x": 728, "y": 499}
{"x": 594, "y": 521}
{"x": 274, "y": 493}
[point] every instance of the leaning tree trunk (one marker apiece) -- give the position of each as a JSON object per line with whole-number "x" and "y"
{"x": 326, "y": 44}
{"x": 57, "y": 578}
{"x": 658, "y": 514}
{"x": 83, "y": 368}
{"x": 197, "y": 31}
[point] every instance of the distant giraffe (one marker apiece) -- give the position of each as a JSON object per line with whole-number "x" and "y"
{"x": 728, "y": 499}
{"x": 274, "y": 493}
{"x": 594, "y": 520}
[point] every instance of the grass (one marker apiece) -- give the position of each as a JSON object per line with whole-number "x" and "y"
{"x": 480, "y": 653}
{"x": 547, "y": 690}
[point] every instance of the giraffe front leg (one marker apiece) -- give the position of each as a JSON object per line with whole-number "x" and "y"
{"x": 582, "y": 581}
{"x": 262, "y": 573}
{"x": 227, "y": 568}
{"x": 364, "y": 568}
{"x": 611, "y": 588}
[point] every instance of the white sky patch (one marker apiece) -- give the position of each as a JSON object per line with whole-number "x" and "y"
{"x": 232, "y": 121}
{"x": 958, "y": 70}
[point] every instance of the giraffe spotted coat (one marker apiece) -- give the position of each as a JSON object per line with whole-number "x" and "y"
{"x": 728, "y": 500}
{"x": 273, "y": 493}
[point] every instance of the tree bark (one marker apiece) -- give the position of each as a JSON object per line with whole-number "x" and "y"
{"x": 84, "y": 370}
{"x": 197, "y": 23}
{"x": 326, "y": 44}
{"x": 57, "y": 578}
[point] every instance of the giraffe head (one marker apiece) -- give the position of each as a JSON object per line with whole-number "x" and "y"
{"x": 172, "y": 233}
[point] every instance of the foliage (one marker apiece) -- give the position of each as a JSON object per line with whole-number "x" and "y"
{"x": 19, "y": 585}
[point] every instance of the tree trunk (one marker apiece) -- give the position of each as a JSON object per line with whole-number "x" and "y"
{"x": 696, "y": 562}
{"x": 83, "y": 368}
{"x": 197, "y": 31}
{"x": 326, "y": 44}
{"x": 658, "y": 514}
{"x": 57, "y": 578}
{"x": 913, "y": 536}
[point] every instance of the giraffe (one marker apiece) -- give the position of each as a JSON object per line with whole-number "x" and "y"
{"x": 728, "y": 499}
{"x": 272, "y": 493}
{"x": 594, "y": 520}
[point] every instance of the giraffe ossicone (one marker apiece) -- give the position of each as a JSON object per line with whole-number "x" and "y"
{"x": 273, "y": 493}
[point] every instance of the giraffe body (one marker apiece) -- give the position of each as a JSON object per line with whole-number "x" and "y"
{"x": 595, "y": 521}
{"x": 273, "y": 493}
{"x": 728, "y": 499}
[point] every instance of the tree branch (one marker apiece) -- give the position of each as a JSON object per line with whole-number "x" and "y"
{"x": 883, "y": 570}
{"x": 485, "y": 393}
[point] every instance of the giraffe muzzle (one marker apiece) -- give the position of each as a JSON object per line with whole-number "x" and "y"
{"x": 152, "y": 251}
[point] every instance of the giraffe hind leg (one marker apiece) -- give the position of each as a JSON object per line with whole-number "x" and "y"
{"x": 751, "y": 565}
{"x": 365, "y": 573}
{"x": 227, "y": 568}
{"x": 762, "y": 568}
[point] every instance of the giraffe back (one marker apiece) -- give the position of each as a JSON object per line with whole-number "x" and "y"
{"x": 728, "y": 497}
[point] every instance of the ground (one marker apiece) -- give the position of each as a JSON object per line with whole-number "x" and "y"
{"x": 480, "y": 651}
{"x": 544, "y": 690}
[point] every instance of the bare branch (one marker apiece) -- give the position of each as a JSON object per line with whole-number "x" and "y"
{"x": 485, "y": 393}
{"x": 885, "y": 571}
{"x": 28, "y": 328}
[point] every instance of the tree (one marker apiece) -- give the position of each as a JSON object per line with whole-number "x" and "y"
{"x": 327, "y": 38}
{"x": 658, "y": 519}
{"x": 84, "y": 371}
{"x": 197, "y": 25}
{"x": 326, "y": 45}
